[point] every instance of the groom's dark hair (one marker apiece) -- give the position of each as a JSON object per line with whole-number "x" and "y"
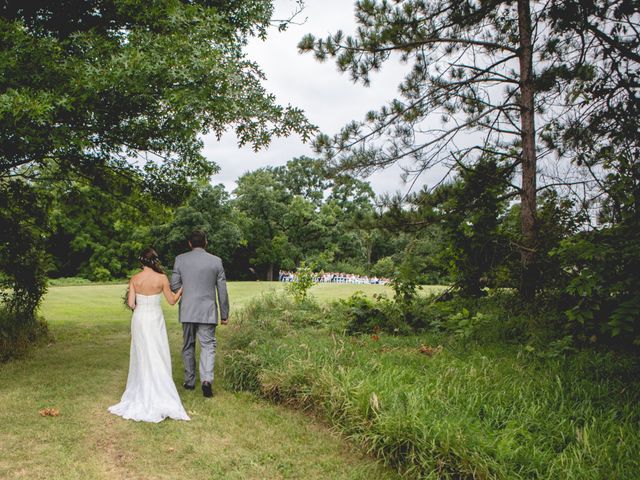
{"x": 198, "y": 239}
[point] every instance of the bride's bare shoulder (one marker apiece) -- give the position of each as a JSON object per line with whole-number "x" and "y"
{"x": 135, "y": 276}
{"x": 159, "y": 277}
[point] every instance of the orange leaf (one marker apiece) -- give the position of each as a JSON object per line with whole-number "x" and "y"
{"x": 49, "y": 412}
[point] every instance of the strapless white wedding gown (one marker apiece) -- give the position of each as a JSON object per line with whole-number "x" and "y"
{"x": 150, "y": 395}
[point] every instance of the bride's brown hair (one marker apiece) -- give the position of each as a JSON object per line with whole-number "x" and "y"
{"x": 149, "y": 258}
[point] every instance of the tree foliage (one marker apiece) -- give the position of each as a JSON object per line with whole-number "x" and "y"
{"x": 23, "y": 275}
{"x": 210, "y": 210}
{"x": 470, "y": 209}
{"x": 94, "y": 85}
{"x": 93, "y": 233}
{"x": 117, "y": 94}
{"x": 507, "y": 79}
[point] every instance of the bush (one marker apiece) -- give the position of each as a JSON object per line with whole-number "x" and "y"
{"x": 276, "y": 312}
{"x": 301, "y": 284}
{"x": 100, "y": 274}
{"x": 364, "y": 315}
{"x": 602, "y": 275}
{"x": 17, "y": 336}
{"x": 385, "y": 267}
{"x": 500, "y": 316}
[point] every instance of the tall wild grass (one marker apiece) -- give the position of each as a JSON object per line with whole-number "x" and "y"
{"x": 446, "y": 403}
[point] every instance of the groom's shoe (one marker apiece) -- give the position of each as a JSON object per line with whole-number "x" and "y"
{"x": 189, "y": 387}
{"x": 206, "y": 389}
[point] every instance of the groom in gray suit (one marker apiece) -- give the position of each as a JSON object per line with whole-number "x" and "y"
{"x": 202, "y": 276}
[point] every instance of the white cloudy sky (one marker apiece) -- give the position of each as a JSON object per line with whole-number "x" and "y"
{"x": 328, "y": 97}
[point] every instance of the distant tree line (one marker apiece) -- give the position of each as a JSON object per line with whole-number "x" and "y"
{"x": 275, "y": 218}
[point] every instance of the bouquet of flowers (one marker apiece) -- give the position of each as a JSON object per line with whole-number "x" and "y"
{"x": 125, "y": 299}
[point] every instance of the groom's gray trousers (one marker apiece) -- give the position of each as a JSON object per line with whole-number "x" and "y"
{"x": 206, "y": 333}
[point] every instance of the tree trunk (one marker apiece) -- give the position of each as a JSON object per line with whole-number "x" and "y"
{"x": 527, "y": 123}
{"x": 270, "y": 273}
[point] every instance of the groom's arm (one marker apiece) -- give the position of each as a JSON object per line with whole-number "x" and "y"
{"x": 176, "y": 278}
{"x": 223, "y": 296}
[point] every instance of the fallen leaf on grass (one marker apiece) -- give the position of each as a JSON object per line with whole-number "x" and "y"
{"x": 49, "y": 412}
{"x": 430, "y": 351}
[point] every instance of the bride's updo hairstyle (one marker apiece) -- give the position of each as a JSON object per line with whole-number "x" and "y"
{"x": 149, "y": 258}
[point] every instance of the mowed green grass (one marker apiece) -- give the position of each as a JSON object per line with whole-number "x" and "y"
{"x": 81, "y": 373}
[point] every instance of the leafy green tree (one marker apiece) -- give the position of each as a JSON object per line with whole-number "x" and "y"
{"x": 23, "y": 274}
{"x": 502, "y": 70}
{"x": 130, "y": 86}
{"x": 96, "y": 234}
{"x": 305, "y": 177}
{"x": 354, "y": 236}
{"x": 209, "y": 209}
{"x": 125, "y": 88}
{"x": 468, "y": 211}
{"x": 264, "y": 202}
{"x": 296, "y": 213}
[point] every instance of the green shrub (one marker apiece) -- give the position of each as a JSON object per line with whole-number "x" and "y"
{"x": 101, "y": 274}
{"x": 602, "y": 274}
{"x": 276, "y": 312}
{"x": 385, "y": 267}
{"x": 17, "y": 336}
{"x": 500, "y": 316}
{"x": 382, "y": 314}
{"x": 303, "y": 281}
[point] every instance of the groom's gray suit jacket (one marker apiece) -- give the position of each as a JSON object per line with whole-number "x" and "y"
{"x": 202, "y": 276}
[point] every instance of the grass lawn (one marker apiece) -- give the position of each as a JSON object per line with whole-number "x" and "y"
{"x": 232, "y": 436}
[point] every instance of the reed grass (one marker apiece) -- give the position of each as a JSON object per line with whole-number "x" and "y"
{"x": 470, "y": 410}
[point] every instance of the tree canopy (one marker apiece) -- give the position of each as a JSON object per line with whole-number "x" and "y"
{"x": 520, "y": 81}
{"x": 130, "y": 86}
{"x": 118, "y": 93}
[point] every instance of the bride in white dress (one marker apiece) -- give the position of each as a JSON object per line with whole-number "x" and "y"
{"x": 150, "y": 395}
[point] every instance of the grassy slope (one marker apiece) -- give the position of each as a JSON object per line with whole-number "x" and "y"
{"x": 232, "y": 436}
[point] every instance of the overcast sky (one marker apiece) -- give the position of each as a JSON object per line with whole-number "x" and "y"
{"x": 328, "y": 97}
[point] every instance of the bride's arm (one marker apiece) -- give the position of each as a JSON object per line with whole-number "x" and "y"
{"x": 171, "y": 297}
{"x": 131, "y": 298}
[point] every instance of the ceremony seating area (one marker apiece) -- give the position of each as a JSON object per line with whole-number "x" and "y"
{"x": 336, "y": 277}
